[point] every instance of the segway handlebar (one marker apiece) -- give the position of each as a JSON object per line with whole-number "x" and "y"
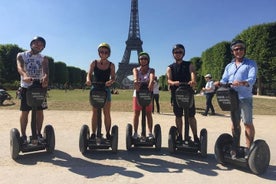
{"x": 225, "y": 85}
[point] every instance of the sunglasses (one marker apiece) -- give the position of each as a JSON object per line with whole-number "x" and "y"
{"x": 103, "y": 52}
{"x": 143, "y": 58}
{"x": 178, "y": 52}
{"x": 238, "y": 49}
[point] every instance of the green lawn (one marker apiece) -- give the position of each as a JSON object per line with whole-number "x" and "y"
{"x": 78, "y": 100}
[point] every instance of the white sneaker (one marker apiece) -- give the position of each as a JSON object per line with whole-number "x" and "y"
{"x": 150, "y": 136}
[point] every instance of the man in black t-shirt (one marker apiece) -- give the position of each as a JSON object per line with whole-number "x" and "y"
{"x": 177, "y": 72}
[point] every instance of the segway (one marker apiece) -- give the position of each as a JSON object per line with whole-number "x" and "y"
{"x": 98, "y": 96}
{"x": 144, "y": 97}
{"x": 35, "y": 97}
{"x": 185, "y": 99}
{"x": 258, "y": 156}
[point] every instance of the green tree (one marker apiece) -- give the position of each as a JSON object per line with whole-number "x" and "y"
{"x": 51, "y": 65}
{"x": 197, "y": 62}
{"x": 8, "y": 67}
{"x": 61, "y": 73}
{"x": 163, "y": 83}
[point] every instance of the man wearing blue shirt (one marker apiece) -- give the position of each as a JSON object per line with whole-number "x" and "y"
{"x": 241, "y": 72}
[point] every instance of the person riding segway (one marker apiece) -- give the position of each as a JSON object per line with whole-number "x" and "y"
{"x": 33, "y": 69}
{"x": 103, "y": 72}
{"x": 142, "y": 101}
{"x": 235, "y": 95}
{"x": 181, "y": 79}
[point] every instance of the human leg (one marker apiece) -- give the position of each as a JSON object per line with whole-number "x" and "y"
{"x": 39, "y": 121}
{"x": 193, "y": 125}
{"x": 94, "y": 119}
{"x": 25, "y": 109}
{"x": 247, "y": 117}
{"x": 249, "y": 134}
{"x": 157, "y": 103}
{"x": 136, "y": 110}
{"x": 149, "y": 119}
{"x": 153, "y": 99}
{"x": 107, "y": 118}
{"x": 211, "y": 104}
{"x": 24, "y": 122}
{"x": 193, "y": 122}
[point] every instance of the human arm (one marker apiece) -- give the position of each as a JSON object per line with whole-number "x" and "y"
{"x": 151, "y": 79}
{"x": 45, "y": 71}
{"x": 192, "y": 83}
{"x": 135, "y": 79}
{"x": 89, "y": 73}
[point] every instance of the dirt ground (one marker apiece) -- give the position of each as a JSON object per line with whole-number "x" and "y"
{"x": 68, "y": 165}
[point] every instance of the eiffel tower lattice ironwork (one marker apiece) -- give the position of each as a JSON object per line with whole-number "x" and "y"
{"x": 133, "y": 43}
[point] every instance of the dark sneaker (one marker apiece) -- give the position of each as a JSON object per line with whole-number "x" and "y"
{"x": 108, "y": 136}
{"x": 40, "y": 138}
{"x": 179, "y": 138}
{"x": 203, "y": 114}
{"x": 135, "y": 136}
{"x": 93, "y": 136}
{"x": 24, "y": 139}
{"x": 196, "y": 141}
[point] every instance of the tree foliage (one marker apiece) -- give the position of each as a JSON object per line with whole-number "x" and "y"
{"x": 8, "y": 68}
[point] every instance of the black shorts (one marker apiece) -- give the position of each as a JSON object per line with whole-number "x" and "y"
{"x": 179, "y": 112}
{"x": 24, "y": 106}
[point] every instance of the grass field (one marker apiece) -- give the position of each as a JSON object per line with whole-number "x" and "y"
{"x": 78, "y": 100}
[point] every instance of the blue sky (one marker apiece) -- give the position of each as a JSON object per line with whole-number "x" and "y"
{"x": 74, "y": 29}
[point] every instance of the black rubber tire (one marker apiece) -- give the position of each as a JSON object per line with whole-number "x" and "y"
{"x": 203, "y": 142}
{"x": 49, "y": 135}
{"x": 114, "y": 139}
{"x": 158, "y": 137}
{"x": 222, "y": 141}
{"x": 83, "y": 139}
{"x": 128, "y": 136}
{"x": 172, "y": 139}
{"x": 259, "y": 157}
{"x": 14, "y": 143}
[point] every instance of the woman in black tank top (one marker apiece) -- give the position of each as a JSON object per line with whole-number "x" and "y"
{"x": 103, "y": 71}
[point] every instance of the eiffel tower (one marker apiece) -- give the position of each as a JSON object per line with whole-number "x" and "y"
{"x": 133, "y": 43}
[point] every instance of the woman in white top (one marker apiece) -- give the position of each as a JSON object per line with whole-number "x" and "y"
{"x": 143, "y": 73}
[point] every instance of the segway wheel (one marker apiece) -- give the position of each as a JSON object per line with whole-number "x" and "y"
{"x": 128, "y": 136}
{"x": 114, "y": 139}
{"x": 203, "y": 142}
{"x": 259, "y": 157}
{"x": 83, "y": 139}
{"x": 49, "y": 135}
{"x": 172, "y": 139}
{"x": 158, "y": 137}
{"x": 14, "y": 143}
{"x": 222, "y": 141}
